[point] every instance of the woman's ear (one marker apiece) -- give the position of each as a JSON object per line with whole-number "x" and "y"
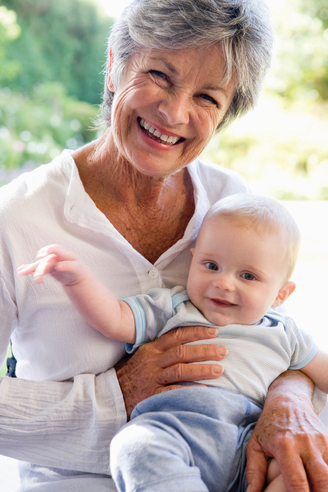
{"x": 286, "y": 290}
{"x": 192, "y": 252}
{"x": 110, "y": 64}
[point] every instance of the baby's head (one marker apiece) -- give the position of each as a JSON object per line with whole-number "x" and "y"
{"x": 244, "y": 256}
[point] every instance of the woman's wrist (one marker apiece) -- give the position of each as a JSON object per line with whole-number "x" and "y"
{"x": 291, "y": 386}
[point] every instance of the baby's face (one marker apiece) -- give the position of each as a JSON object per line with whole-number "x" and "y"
{"x": 236, "y": 274}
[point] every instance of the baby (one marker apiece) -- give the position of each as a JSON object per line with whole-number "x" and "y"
{"x": 194, "y": 439}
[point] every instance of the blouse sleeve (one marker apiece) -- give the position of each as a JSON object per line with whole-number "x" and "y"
{"x": 63, "y": 425}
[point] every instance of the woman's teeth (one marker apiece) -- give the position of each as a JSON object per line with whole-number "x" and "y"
{"x": 164, "y": 138}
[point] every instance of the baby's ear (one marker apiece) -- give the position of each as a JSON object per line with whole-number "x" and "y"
{"x": 192, "y": 252}
{"x": 286, "y": 290}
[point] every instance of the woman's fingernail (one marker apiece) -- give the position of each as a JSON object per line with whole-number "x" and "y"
{"x": 218, "y": 369}
{"x": 213, "y": 331}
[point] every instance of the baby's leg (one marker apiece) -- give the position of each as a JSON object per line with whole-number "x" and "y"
{"x": 148, "y": 455}
{"x": 184, "y": 440}
{"x": 274, "y": 478}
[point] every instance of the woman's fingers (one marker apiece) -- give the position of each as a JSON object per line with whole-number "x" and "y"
{"x": 192, "y": 353}
{"x": 180, "y": 336}
{"x": 317, "y": 471}
{"x": 160, "y": 365}
{"x": 189, "y": 372}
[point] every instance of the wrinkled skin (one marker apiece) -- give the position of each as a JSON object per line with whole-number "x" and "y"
{"x": 161, "y": 365}
{"x": 289, "y": 430}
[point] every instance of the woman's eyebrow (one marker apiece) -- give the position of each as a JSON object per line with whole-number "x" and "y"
{"x": 168, "y": 65}
{"x": 216, "y": 88}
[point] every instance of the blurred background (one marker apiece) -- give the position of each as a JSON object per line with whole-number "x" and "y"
{"x": 52, "y": 53}
{"x": 51, "y": 57}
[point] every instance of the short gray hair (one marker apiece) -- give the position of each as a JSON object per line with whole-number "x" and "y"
{"x": 243, "y": 28}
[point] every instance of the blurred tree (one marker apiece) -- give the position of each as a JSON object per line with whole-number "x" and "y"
{"x": 38, "y": 115}
{"x": 9, "y": 30}
{"x": 36, "y": 128}
{"x": 300, "y": 69}
{"x": 318, "y": 9}
{"x": 60, "y": 41}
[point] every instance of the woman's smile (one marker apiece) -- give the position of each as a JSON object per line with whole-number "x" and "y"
{"x": 163, "y": 139}
{"x": 155, "y": 134}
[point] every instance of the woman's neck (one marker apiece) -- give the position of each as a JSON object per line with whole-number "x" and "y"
{"x": 152, "y": 214}
{"x": 108, "y": 176}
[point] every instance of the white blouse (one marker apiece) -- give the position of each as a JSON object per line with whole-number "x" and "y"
{"x": 51, "y": 341}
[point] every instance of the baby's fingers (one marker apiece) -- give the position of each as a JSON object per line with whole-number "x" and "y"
{"x": 55, "y": 249}
{"x": 44, "y": 267}
{"x": 37, "y": 268}
{"x": 27, "y": 269}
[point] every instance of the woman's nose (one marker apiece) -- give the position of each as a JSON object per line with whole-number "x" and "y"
{"x": 175, "y": 109}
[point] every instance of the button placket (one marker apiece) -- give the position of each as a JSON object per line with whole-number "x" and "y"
{"x": 153, "y": 274}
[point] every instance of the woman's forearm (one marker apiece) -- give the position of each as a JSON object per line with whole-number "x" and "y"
{"x": 63, "y": 425}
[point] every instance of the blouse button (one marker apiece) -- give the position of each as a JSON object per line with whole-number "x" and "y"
{"x": 153, "y": 274}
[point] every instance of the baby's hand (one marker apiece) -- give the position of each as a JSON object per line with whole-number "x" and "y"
{"x": 54, "y": 260}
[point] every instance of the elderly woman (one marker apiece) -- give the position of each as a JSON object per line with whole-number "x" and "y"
{"x": 130, "y": 205}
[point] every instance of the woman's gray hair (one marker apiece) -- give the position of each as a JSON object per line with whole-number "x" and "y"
{"x": 243, "y": 28}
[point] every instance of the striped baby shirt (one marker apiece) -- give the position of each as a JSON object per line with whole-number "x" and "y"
{"x": 257, "y": 353}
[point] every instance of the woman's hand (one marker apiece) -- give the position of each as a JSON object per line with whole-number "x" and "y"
{"x": 289, "y": 431}
{"x": 160, "y": 365}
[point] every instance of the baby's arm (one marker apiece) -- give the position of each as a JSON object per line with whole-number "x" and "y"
{"x": 91, "y": 298}
{"x": 317, "y": 370}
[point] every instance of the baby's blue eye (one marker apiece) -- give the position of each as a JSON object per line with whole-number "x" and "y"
{"x": 211, "y": 266}
{"x": 248, "y": 276}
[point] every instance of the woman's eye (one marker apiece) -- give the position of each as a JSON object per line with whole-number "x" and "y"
{"x": 248, "y": 276}
{"x": 211, "y": 266}
{"x": 158, "y": 73}
{"x": 209, "y": 98}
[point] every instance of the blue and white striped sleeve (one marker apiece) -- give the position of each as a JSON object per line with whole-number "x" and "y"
{"x": 151, "y": 312}
{"x": 303, "y": 346}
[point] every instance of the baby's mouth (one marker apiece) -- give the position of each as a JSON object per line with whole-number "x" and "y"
{"x": 223, "y": 303}
{"x": 156, "y": 135}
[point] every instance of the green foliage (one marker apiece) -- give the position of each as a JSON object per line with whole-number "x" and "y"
{"x": 9, "y": 30}
{"x": 300, "y": 68}
{"x": 60, "y": 41}
{"x": 51, "y": 55}
{"x": 36, "y": 128}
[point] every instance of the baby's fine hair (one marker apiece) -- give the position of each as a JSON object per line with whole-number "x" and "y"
{"x": 264, "y": 215}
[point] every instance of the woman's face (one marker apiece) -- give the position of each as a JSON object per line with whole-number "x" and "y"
{"x": 168, "y": 106}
